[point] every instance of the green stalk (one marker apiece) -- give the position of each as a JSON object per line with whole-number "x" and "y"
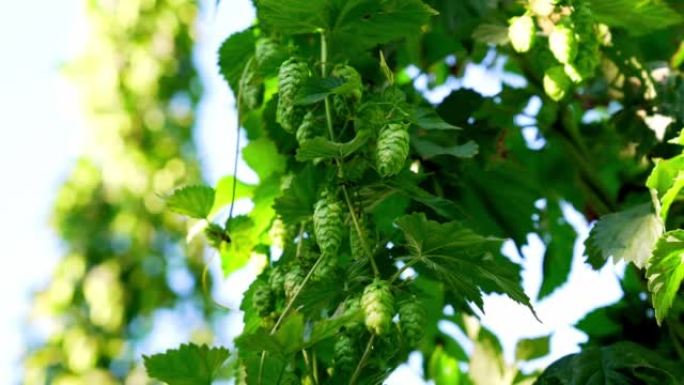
{"x": 362, "y": 362}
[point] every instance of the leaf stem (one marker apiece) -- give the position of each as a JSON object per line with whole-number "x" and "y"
{"x": 362, "y": 362}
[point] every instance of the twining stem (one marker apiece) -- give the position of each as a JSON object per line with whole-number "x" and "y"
{"x": 362, "y": 362}
{"x": 287, "y": 309}
{"x": 329, "y": 121}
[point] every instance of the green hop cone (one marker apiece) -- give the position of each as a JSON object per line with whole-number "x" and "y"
{"x": 521, "y": 32}
{"x": 542, "y": 7}
{"x": 378, "y": 307}
{"x": 293, "y": 278}
{"x": 556, "y": 83}
{"x": 267, "y": 53}
{"x": 411, "y": 321}
{"x": 276, "y": 281}
{"x": 291, "y": 76}
{"x": 356, "y": 240}
{"x": 392, "y": 149}
{"x": 308, "y": 128}
{"x": 563, "y": 43}
{"x": 263, "y": 300}
{"x": 326, "y": 269}
{"x": 353, "y": 86}
{"x": 345, "y": 352}
{"x": 328, "y": 226}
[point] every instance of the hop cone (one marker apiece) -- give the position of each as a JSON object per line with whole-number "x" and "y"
{"x": 345, "y": 352}
{"x": 293, "y": 279}
{"x": 556, "y": 83}
{"x": 351, "y": 78}
{"x": 411, "y": 321}
{"x": 328, "y": 227}
{"x": 392, "y": 149}
{"x": 356, "y": 241}
{"x": 307, "y": 129}
{"x": 521, "y": 32}
{"x": 276, "y": 281}
{"x": 262, "y": 300}
{"x": 563, "y": 44}
{"x": 326, "y": 268}
{"x": 378, "y": 307}
{"x": 542, "y": 7}
{"x": 291, "y": 75}
{"x": 267, "y": 52}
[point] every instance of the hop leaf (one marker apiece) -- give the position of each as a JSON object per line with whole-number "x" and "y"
{"x": 521, "y": 33}
{"x": 188, "y": 365}
{"x": 392, "y": 149}
{"x": 328, "y": 227}
{"x": 556, "y": 83}
{"x": 666, "y": 271}
{"x": 345, "y": 352}
{"x": 291, "y": 77}
{"x": 412, "y": 320}
{"x": 563, "y": 44}
{"x": 192, "y": 201}
{"x": 378, "y": 307}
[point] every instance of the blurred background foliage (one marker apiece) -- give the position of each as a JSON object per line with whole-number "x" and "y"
{"x": 140, "y": 89}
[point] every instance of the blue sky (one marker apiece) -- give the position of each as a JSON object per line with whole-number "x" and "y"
{"x": 43, "y": 132}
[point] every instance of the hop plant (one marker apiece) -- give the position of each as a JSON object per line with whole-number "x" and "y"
{"x": 563, "y": 43}
{"x": 292, "y": 280}
{"x": 266, "y": 52}
{"x": 252, "y": 88}
{"x": 276, "y": 281}
{"x": 326, "y": 268}
{"x": 378, "y": 307}
{"x": 411, "y": 320}
{"x": 521, "y": 32}
{"x": 328, "y": 227}
{"x": 542, "y": 7}
{"x": 392, "y": 149}
{"x": 356, "y": 240}
{"x": 352, "y": 79}
{"x": 345, "y": 352}
{"x": 307, "y": 129}
{"x": 291, "y": 76}
{"x": 556, "y": 82}
{"x": 263, "y": 300}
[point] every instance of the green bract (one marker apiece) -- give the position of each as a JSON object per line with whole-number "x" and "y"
{"x": 556, "y": 83}
{"x": 521, "y": 32}
{"x": 378, "y": 307}
{"x": 392, "y": 149}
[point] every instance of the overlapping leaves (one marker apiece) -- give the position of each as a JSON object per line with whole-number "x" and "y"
{"x": 189, "y": 364}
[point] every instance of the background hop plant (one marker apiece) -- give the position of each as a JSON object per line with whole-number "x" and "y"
{"x": 392, "y": 149}
{"x": 563, "y": 43}
{"x": 521, "y": 32}
{"x": 556, "y": 83}
{"x": 291, "y": 76}
{"x": 378, "y": 307}
{"x": 412, "y": 320}
{"x": 328, "y": 226}
{"x": 345, "y": 352}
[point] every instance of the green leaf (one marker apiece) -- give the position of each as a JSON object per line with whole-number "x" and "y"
{"x": 624, "y": 363}
{"x": 666, "y": 271}
{"x": 293, "y": 16}
{"x": 316, "y": 89}
{"x": 443, "y": 369}
{"x": 188, "y": 365}
{"x": 262, "y": 156}
{"x": 297, "y": 201}
{"x": 667, "y": 179}
{"x": 322, "y": 148}
{"x": 629, "y": 234}
{"x": 489, "y": 33}
{"x": 234, "y": 55}
{"x": 462, "y": 259}
{"x": 638, "y": 17}
{"x": 532, "y": 348}
{"x": 224, "y": 192}
{"x": 192, "y": 201}
{"x": 287, "y": 340}
{"x": 559, "y": 238}
{"x": 428, "y": 119}
{"x": 244, "y": 237}
{"x": 428, "y": 149}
